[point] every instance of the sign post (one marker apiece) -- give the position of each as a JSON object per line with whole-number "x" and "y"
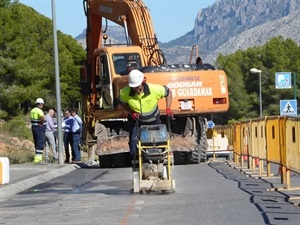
{"x": 295, "y": 86}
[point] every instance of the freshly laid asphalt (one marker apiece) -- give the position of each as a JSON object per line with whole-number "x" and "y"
{"x": 24, "y": 176}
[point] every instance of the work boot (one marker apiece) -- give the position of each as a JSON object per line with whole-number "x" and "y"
{"x": 38, "y": 158}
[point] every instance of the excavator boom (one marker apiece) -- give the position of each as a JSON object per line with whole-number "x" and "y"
{"x": 133, "y": 15}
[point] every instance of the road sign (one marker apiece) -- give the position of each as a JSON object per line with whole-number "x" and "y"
{"x": 283, "y": 80}
{"x": 210, "y": 124}
{"x": 288, "y": 107}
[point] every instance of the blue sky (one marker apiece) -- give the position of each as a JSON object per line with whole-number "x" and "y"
{"x": 171, "y": 18}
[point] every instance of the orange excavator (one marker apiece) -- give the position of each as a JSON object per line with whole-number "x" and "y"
{"x": 196, "y": 88}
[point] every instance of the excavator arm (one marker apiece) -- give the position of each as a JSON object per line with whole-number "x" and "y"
{"x": 134, "y": 16}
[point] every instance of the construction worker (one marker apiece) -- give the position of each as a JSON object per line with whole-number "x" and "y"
{"x": 38, "y": 127}
{"x": 140, "y": 100}
{"x": 131, "y": 65}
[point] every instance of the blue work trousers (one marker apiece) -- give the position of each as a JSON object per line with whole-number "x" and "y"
{"x": 133, "y": 140}
{"x": 39, "y": 138}
{"x": 76, "y": 148}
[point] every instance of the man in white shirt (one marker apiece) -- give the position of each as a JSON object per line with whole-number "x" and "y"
{"x": 76, "y": 131}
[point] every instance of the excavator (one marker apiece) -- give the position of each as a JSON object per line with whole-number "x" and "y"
{"x": 197, "y": 89}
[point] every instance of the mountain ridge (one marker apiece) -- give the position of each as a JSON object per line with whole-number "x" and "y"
{"x": 257, "y": 37}
{"x": 231, "y": 25}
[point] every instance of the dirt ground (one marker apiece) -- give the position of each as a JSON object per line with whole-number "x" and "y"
{"x": 8, "y": 142}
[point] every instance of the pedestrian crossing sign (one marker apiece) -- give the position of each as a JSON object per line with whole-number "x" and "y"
{"x": 288, "y": 107}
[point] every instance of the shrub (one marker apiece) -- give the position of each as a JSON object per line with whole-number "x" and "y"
{"x": 18, "y": 156}
{"x": 16, "y": 127}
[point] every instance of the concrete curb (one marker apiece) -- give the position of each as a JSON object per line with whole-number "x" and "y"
{"x": 12, "y": 189}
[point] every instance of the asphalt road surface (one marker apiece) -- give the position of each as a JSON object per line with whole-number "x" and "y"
{"x": 210, "y": 194}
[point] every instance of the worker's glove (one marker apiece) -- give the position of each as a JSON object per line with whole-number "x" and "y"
{"x": 169, "y": 113}
{"x": 135, "y": 116}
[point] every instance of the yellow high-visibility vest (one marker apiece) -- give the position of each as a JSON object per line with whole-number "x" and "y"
{"x": 146, "y": 104}
{"x": 36, "y": 114}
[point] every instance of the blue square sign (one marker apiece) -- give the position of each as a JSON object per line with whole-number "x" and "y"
{"x": 283, "y": 80}
{"x": 288, "y": 107}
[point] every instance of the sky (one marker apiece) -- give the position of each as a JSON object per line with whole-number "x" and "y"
{"x": 171, "y": 18}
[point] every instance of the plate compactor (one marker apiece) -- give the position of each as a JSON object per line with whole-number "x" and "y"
{"x": 155, "y": 160}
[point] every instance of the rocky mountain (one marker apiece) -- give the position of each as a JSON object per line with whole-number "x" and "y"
{"x": 231, "y": 25}
{"x": 288, "y": 27}
{"x": 115, "y": 33}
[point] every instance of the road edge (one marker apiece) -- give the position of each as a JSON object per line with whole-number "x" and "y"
{"x": 12, "y": 189}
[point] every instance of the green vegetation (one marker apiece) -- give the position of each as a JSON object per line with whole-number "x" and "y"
{"x": 16, "y": 127}
{"x": 27, "y": 61}
{"x": 11, "y": 134}
{"x": 18, "y": 156}
{"x": 27, "y": 72}
{"x": 277, "y": 55}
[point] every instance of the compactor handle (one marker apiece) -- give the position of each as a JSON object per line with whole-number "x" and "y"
{"x": 169, "y": 125}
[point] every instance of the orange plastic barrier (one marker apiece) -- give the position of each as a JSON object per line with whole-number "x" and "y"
{"x": 236, "y": 142}
{"x": 257, "y": 143}
{"x": 226, "y": 131}
{"x": 245, "y": 135}
{"x": 292, "y": 153}
{"x": 274, "y": 138}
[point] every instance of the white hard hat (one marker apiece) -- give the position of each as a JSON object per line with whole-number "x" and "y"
{"x": 135, "y": 79}
{"x": 39, "y": 100}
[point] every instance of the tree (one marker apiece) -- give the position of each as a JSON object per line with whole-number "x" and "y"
{"x": 27, "y": 61}
{"x": 277, "y": 55}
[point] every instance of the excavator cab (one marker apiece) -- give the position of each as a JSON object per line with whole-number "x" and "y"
{"x": 103, "y": 83}
{"x": 125, "y": 60}
{"x": 108, "y": 67}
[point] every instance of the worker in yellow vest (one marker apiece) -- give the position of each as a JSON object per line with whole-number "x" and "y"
{"x": 38, "y": 127}
{"x": 140, "y": 100}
